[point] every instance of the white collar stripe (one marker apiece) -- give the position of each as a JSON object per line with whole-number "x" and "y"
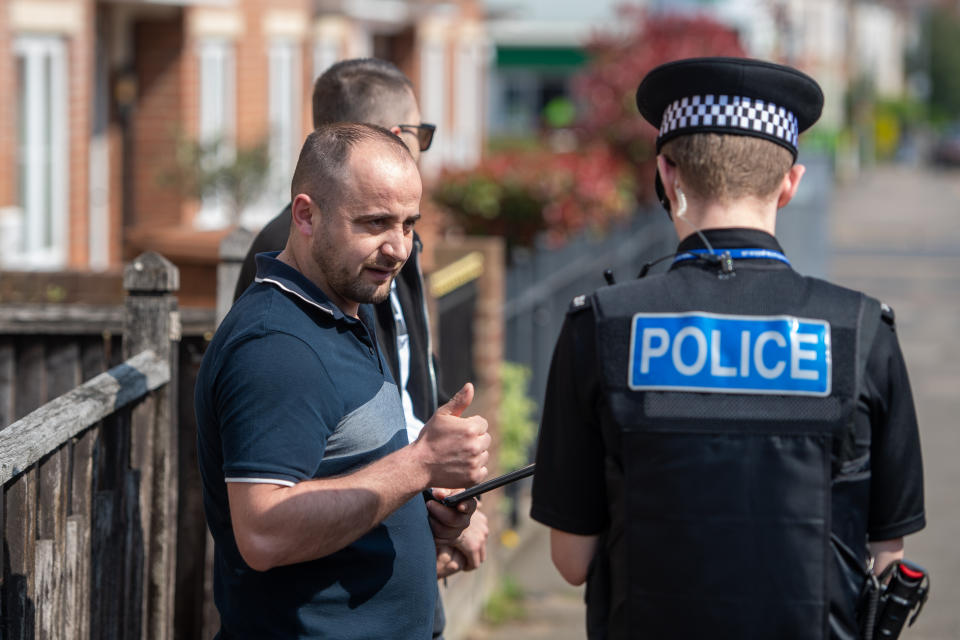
{"x": 296, "y": 293}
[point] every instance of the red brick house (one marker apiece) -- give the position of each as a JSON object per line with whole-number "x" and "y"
{"x": 94, "y": 95}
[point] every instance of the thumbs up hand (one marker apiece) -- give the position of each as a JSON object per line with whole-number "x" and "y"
{"x": 452, "y": 448}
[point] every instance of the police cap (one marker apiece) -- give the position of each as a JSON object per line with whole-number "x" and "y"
{"x": 738, "y": 96}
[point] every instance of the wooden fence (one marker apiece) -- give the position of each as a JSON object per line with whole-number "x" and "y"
{"x": 89, "y": 500}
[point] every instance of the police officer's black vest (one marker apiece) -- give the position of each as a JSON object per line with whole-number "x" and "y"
{"x": 726, "y": 518}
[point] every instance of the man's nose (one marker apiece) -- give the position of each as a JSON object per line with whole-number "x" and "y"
{"x": 397, "y": 245}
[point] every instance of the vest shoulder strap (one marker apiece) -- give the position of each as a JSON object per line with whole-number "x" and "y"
{"x": 871, "y": 311}
{"x": 868, "y": 322}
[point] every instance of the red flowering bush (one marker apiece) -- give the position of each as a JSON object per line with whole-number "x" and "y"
{"x": 607, "y": 87}
{"x": 518, "y": 194}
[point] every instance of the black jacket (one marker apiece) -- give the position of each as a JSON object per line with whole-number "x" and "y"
{"x": 422, "y": 384}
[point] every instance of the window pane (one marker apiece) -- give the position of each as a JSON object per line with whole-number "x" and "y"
{"x": 284, "y": 97}
{"x": 41, "y": 150}
{"x": 46, "y": 204}
{"x": 22, "y": 145}
{"x": 216, "y": 122}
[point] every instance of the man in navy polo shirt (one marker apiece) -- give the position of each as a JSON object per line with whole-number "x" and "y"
{"x": 311, "y": 491}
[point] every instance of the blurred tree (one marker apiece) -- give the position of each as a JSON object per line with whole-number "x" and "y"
{"x": 559, "y": 190}
{"x": 207, "y": 168}
{"x": 559, "y": 112}
{"x": 518, "y": 428}
{"x": 607, "y": 87}
{"x": 943, "y": 27}
{"x": 519, "y": 194}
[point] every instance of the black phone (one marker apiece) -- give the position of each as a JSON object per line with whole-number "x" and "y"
{"x": 484, "y": 486}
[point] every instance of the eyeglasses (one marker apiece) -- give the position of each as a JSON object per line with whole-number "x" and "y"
{"x": 423, "y": 131}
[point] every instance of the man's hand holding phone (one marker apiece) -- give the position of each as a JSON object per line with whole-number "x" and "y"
{"x": 449, "y": 522}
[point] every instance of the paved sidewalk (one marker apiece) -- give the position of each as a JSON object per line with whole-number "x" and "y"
{"x": 896, "y": 235}
{"x": 553, "y": 609}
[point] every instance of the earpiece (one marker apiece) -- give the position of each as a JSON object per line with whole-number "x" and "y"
{"x": 681, "y": 200}
{"x": 665, "y": 201}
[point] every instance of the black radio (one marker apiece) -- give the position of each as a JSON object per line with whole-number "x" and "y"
{"x": 889, "y": 599}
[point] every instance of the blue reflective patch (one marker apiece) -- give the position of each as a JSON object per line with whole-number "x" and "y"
{"x": 730, "y": 354}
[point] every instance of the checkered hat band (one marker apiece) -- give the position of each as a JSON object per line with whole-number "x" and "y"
{"x": 712, "y": 112}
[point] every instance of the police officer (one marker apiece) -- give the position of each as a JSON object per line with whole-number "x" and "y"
{"x": 725, "y": 445}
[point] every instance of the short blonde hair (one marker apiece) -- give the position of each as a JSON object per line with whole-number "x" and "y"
{"x": 726, "y": 168}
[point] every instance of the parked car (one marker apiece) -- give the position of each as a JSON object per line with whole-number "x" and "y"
{"x": 946, "y": 148}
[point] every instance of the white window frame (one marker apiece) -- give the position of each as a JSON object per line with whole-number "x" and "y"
{"x": 433, "y": 102}
{"x": 329, "y": 41}
{"x": 217, "y": 119}
{"x": 99, "y": 163}
{"x": 467, "y": 100}
{"x": 326, "y": 51}
{"x": 42, "y": 153}
{"x": 284, "y": 105}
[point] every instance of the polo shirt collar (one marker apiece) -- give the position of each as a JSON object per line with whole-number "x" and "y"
{"x": 281, "y": 275}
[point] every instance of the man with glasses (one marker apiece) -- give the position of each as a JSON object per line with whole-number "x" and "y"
{"x": 423, "y": 131}
{"x": 359, "y": 90}
{"x": 376, "y": 92}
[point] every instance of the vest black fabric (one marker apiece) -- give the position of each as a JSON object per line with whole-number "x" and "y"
{"x": 732, "y": 515}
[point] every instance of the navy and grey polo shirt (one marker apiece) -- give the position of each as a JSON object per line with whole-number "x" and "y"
{"x": 292, "y": 389}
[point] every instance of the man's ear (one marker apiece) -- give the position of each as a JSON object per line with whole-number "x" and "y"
{"x": 302, "y": 214}
{"x": 789, "y": 185}
{"x": 668, "y": 176}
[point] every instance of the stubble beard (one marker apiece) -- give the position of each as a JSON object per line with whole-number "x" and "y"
{"x": 346, "y": 285}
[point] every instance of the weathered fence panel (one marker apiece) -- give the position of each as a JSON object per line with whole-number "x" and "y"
{"x": 48, "y": 581}
{"x": 30, "y": 382}
{"x": 89, "y": 478}
{"x": 38, "y": 434}
{"x": 7, "y": 362}
{"x": 95, "y": 334}
{"x": 18, "y": 581}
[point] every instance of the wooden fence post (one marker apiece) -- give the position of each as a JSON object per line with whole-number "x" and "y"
{"x": 233, "y": 249}
{"x": 152, "y": 321}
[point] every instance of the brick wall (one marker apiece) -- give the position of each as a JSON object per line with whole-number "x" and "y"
{"x": 159, "y": 48}
{"x": 8, "y": 135}
{"x": 115, "y": 188}
{"x": 115, "y": 148}
{"x": 252, "y": 79}
{"x": 80, "y": 86}
{"x": 189, "y": 108}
